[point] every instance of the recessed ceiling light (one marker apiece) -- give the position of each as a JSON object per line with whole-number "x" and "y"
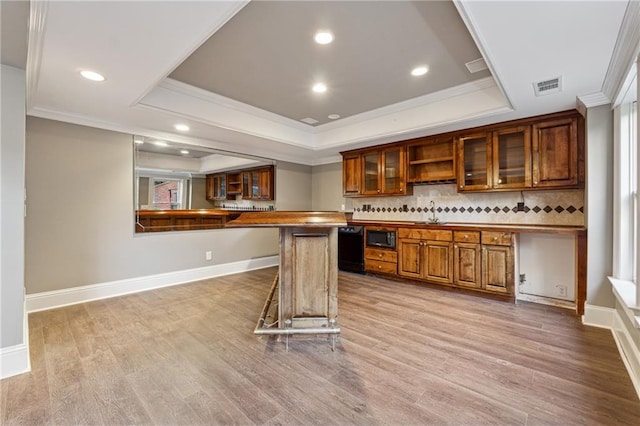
{"x": 333, "y": 116}
{"x": 181, "y": 127}
{"x": 421, "y": 70}
{"x": 92, "y": 75}
{"x": 160, "y": 143}
{"x": 184, "y": 152}
{"x": 323, "y": 37}
{"x": 319, "y": 88}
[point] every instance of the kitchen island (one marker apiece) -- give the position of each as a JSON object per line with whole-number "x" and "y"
{"x": 306, "y": 288}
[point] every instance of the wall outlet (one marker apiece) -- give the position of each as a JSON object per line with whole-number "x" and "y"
{"x": 207, "y": 255}
{"x": 562, "y": 290}
{"x": 342, "y": 207}
{"x": 523, "y": 278}
{"x": 520, "y": 207}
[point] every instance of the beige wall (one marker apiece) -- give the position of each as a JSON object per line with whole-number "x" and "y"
{"x": 12, "y": 199}
{"x": 293, "y": 186}
{"x": 327, "y": 188}
{"x": 599, "y": 205}
{"x": 199, "y": 194}
{"x": 80, "y": 222}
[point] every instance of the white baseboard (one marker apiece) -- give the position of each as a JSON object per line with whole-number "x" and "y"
{"x": 14, "y": 360}
{"x": 609, "y": 318}
{"x": 71, "y": 296}
{"x": 597, "y": 316}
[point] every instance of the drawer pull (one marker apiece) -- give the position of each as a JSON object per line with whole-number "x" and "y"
{"x": 380, "y": 255}
{"x": 379, "y": 266}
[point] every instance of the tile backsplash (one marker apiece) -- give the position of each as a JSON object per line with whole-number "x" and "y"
{"x": 555, "y": 207}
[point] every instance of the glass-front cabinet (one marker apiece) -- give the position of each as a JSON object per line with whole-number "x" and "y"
{"x": 474, "y": 162}
{"x": 511, "y": 158}
{"x": 384, "y": 172}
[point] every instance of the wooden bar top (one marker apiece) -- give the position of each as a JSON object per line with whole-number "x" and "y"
{"x": 278, "y": 219}
{"x": 511, "y": 227}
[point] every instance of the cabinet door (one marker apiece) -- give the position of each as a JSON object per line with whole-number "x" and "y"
{"x": 438, "y": 258}
{"x": 466, "y": 265}
{"x": 209, "y": 187}
{"x": 351, "y": 175}
{"x": 512, "y": 158}
{"x": 262, "y": 184}
{"x": 474, "y": 162}
{"x": 392, "y": 171}
{"x": 497, "y": 269}
{"x": 246, "y": 185}
{"x": 409, "y": 258}
{"x": 371, "y": 173}
{"x": 555, "y": 153}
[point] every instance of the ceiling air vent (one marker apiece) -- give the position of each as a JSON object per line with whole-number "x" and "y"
{"x": 547, "y": 87}
{"x": 309, "y": 120}
{"x": 476, "y": 66}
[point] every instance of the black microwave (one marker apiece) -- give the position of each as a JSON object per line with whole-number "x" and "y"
{"x": 381, "y": 238}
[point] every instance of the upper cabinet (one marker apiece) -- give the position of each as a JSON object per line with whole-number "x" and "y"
{"x": 539, "y": 155}
{"x": 431, "y": 160}
{"x": 543, "y": 152}
{"x": 216, "y": 186}
{"x": 555, "y": 153}
{"x": 375, "y": 172}
{"x": 254, "y": 184}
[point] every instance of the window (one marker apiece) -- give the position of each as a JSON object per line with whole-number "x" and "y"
{"x": 626, "y": 210}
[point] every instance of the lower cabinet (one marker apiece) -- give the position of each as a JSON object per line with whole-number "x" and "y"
{"x": 426, "y": 255}
{"x": 471, "y": 259}
{"x": 381, "y": 261}
{"x": 466, "y": 259}
{"x": 497, "y": 262}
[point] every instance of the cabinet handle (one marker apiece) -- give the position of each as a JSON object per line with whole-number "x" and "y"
{"x": 380, "y": 255}
{"x": 466, "y": 237}
{"x": 461, "y": 186}
{"x": 401, "y": 189}
{"x": 379, "y": 266}
{"x": 495, "y": 238}
{"x": 378, "y": 191}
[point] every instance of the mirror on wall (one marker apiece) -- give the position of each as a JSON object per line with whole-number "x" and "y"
{"x": 173, "y": 176}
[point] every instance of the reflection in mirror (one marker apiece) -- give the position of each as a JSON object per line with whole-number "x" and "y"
{"x": 180, "y": 177}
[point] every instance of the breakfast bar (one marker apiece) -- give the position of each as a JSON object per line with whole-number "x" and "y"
{"x": 304, "y": 296}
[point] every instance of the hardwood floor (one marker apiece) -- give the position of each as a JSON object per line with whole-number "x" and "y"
{"x": 406, "y": 355}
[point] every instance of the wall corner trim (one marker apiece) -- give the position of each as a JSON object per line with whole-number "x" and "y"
{"x": 14, "y": 360}
{"x": 609, "y": 318}
{"x": 71, "y": 296}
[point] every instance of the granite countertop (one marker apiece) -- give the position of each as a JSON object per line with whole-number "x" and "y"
{"x": 515, "y": 227}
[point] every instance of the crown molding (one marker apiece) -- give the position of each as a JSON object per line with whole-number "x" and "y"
{"x": 35, "y": 45}
{"x": 228, "y": 103}
{"x": 625, "y": 54}
{"x": 431, "y": 98}
{"x": 593, "y": 100}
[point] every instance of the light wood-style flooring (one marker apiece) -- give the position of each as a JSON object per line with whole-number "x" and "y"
{"x": 406, "y": 355}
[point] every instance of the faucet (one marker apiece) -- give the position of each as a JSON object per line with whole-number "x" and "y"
{"x": 433, "y": 219}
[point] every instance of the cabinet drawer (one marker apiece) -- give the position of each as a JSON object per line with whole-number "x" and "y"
{"x": 425, "y": 234}
{"x": 466, "y": 236}
{"x": 382, "y": 255}
{"x": 497, "y": 238}
{"x": 380, "y": 267}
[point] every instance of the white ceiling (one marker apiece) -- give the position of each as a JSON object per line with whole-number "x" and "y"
{"x": 137, "y": 45}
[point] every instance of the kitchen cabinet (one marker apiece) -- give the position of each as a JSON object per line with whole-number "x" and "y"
{"x": 216, "y": 186}
{"x": 234, "y": 185}
{"x": 375, "y": 172}
{"x": 555, "y": 153}
{"x": 351, "y": 175}
{"x": 384, "y": 261}
{"x": 431, "y": 160}
{"x": 259, "y": 184}
{"x": 497, "y": 262}
{"x": 467, "y": 259}
{"x": 425, "y": 254}
{"x": 474, "y": 162}
{"x": 495, "y": 160}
